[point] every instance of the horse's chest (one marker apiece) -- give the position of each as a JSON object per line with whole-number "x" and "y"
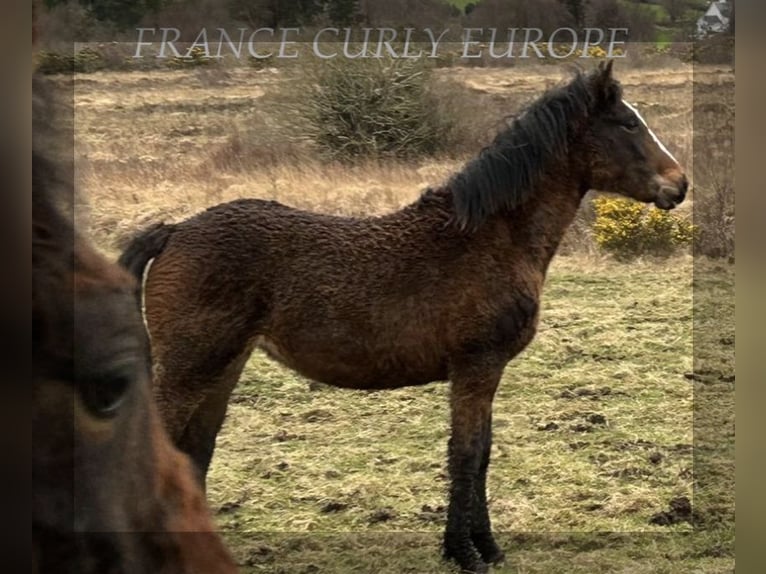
{"x": 509, "y": 329}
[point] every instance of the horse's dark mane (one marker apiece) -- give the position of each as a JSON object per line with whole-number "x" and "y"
{"x": 507, "y": 171}
{"x": 52, "y": 187}
{"x": 53, "y": 238}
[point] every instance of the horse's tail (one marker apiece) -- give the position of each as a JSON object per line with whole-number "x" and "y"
{"x": 143, "y": 247}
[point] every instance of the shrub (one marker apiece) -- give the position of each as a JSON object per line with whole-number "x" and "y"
{"x": 714, "y": 213}
{"x": 196, "y": 57}
{"x": 714, "y": 198}
{"x": 628, "y": 229}
{"x": 85, "y": 61}
{"x": 376, "y": 108}
{"x": 54, "y": 63}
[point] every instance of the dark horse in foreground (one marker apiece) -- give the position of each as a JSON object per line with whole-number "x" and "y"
{"x": 111, "y": 494}
{"x": 446, "y": 288}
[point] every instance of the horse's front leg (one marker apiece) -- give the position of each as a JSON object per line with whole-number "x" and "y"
{"x": 481, "y": 528}
{"x": 467, "y": 537}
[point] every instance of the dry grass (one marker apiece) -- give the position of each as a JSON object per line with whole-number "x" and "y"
{"x": 593, "y": 423}
{"x": 330, "y": 188}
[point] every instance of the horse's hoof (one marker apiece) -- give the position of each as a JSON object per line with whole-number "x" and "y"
{"x": 496, "y": 558}
{"x": 469, "y": 563}
{"x": 475, "y": 567}
{"x": 490, "y": 552}
{"x": 492, "y": 556}
{"x": 479, "y": 567}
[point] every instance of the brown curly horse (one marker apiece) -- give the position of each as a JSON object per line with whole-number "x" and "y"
{"x": 445, "y": 288}
{"x": 110, "y": 491}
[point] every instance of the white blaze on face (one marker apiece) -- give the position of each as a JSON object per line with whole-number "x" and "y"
{"x": 144, "y": 277}
{"x": 651, "y": 133}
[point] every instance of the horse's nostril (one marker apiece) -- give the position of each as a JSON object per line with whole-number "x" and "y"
{"x": 684, "y": 184}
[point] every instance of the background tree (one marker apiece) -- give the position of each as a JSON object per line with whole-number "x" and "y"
{"x": 122, "y": 13}
{"x": 407, "y": 13}
{"x": 342, "y": 12}
{"x": 547, "y": 15}
{"x": 576, "y": 10}
{"x": 276, "y": 13}
{"x": 675, "y": 9}
{"x": 613, "y": 14}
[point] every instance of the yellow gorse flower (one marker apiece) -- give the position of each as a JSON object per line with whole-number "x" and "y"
{"x": 628, "y": 229}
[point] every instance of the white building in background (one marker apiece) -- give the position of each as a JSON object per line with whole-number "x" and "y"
{"x": 715, "y": 19}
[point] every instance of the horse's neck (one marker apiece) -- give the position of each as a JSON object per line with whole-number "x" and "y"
{"x": 530, "y": 233}
{"x": 536, "y": 227}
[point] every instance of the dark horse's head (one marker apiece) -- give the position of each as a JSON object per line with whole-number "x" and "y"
{"x": 582, "y": 135}
{"x": 625, "y": 156}
{"x": 110, "y": 493}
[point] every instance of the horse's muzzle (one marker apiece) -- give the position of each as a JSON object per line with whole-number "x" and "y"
{"x": 670, "y": 192}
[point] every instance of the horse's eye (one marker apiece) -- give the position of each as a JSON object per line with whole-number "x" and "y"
{"x": 103, "y": 395}
{"x": 631, "y": 125}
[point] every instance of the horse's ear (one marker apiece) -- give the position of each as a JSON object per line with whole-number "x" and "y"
{"x": 605, "y": 86}
{"x": 606, "y": 69}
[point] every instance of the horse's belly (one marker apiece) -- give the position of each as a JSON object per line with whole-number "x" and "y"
{"x": 356, "y": 367}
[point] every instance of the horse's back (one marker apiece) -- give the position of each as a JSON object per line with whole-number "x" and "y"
{"x": 251, "y": 241}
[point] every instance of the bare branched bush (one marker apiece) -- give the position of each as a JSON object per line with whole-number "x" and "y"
{"x": 379, "y": 108}
{"x": 713, "y": 191}
{"x": 714, "y": 215}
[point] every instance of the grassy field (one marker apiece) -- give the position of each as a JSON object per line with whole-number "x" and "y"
{"x": 593, "y": 428}
{"x": 618, "y": 412}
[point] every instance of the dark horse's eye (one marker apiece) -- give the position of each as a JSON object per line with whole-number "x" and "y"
{"x": 631, "y": 125}
{"x": 103, "y": 395}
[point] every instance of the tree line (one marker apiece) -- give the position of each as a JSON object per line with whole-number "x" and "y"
{"x": 547, "y": 15}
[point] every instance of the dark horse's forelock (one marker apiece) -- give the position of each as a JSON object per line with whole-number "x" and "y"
{"x": 53, "y": 238}
{"x": 505, "y": 172}
{"x": 52, "y": 175}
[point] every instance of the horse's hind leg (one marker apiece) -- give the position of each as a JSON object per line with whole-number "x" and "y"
{"x": 199, "y": 435}
{"x": 466, "y": 538}
{"x": 198, "y": 438}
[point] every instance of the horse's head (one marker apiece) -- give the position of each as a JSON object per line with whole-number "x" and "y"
{"x": 110, "y": 492}
{"x": 90, "y": 390}
{"x": 625, "y": 156}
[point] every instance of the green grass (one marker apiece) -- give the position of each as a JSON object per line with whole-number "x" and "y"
{"x": 658, "y": 11}
{"x": 663, "y": 36}
{"x": 593, "y": 436}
